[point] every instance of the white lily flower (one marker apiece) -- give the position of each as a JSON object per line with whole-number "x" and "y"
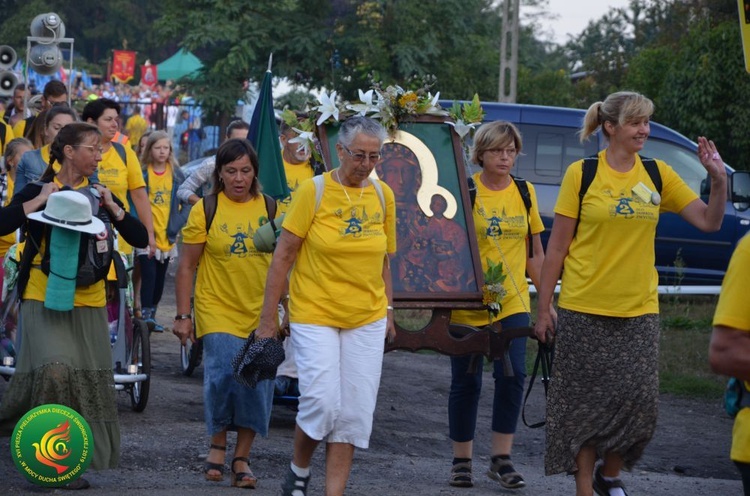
{"x": 434, "y": 109}
{"x": 461, "y": 128}
{"x": 366, "y": 104}
{"x": 327, "y": 107}
{"x": 304, "y": 138}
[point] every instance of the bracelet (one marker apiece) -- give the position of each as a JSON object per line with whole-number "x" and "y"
{"x": 120, "y": 215}
{"x": 183, "y": 316}
{"x": 284, "y": 298}
{"x": 389, "y": 307}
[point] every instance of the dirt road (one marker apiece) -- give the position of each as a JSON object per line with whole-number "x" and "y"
{"x": 163, "y": 447}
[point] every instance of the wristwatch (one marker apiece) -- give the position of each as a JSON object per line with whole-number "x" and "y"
{"x": 183, "y": 316}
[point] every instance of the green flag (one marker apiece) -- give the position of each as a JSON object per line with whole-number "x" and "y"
{"x": 264, "y": 135}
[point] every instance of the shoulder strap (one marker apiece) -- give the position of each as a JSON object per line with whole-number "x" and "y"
{"x": 653, "y": 172}
{"x": 319, "y": 182}
{"x": 209, "y": 209}
{"x": 2, "y": 137}
{"x": 270, "y": 207}
{"x": 589, "y": 167}
{"x": 121, "y": 152}
{"x": 379, "y": 190}
{"x": 523, "y": 188}
{"x": 472, "y": 191}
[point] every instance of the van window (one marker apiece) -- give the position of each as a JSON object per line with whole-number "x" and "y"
{"x": 684, "y": 162}
{"x": 549, "y": 150}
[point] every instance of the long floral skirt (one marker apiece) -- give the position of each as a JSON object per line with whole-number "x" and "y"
{"x": 604, "y": 390}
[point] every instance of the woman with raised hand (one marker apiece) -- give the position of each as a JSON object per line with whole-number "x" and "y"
{"x": 604, "y": 391}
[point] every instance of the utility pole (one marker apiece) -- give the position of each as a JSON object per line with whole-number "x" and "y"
{"x": 509, "y": 52}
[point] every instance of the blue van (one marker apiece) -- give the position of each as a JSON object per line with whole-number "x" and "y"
{"x": 684, "y": 255}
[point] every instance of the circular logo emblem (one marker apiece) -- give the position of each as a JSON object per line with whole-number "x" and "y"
{"x": 52, "y": 445}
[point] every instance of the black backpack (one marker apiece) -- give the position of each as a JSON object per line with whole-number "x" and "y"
{"x": 94, "y": 260}
{"x": 210, "y": 202}
{"x": 590, "y": 165}
{"x": 523, "y": 189}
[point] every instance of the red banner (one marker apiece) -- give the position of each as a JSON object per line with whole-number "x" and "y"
{"x": 123, "y": 66}
{"x": 149, "y": 75}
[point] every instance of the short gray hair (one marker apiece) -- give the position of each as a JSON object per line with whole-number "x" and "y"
{"x": 353, "y": 126}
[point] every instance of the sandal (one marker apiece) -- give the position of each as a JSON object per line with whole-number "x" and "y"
{"x": 503, "y": 472}
{"x": 243, "y": 479}
{"x": 602, "y": 487}
{"x": 461, "y": 475}
{"x": 219, "y": 467}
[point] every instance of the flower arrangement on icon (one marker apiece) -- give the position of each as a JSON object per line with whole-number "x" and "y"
{"x": 391, "y": 104}
{"x": 493, "y": 291}
{"x": 467, "y": 118}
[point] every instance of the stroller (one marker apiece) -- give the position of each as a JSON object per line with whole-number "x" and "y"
{"x": 131, "y": 351}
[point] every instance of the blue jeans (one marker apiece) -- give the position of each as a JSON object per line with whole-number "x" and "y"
{"x": 463, "y": 401}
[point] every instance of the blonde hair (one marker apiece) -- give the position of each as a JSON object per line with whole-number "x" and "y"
{"x": 498, "y": 134}
{"x": 146, "y": 152}
{"x": 618, "y": 108}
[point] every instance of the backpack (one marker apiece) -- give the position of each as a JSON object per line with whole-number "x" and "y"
{"x": 736, "y": 397}
{"x": 523, "y": 189}
{"x": 210, "y": 202}
{"x": 590, "y": 165}
{"x": 320, "y": 184}
{"x": 95, "y": 259}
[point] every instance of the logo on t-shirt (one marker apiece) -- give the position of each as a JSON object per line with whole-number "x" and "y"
{"x": 629, "y": 207}
{"x": 237, "y": 247}
{"x": 358, "y": 223}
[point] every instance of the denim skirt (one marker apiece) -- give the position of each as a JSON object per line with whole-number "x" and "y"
{"x": 228, "y": 404}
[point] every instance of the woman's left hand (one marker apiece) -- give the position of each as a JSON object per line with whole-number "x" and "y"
{"x": 106, "y": 196}
{"x": 710, "y": 158}
{"x": 390, "y": 328}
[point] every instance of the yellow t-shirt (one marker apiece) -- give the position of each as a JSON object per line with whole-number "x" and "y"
{"x": 337, "y": 279}
{"x": 160, "y": 197}
{"x": 9, "y": 239}
{"x": 610, "y": 269}
{"x": 231, "y": 273}
{"x": 295, "y": 175}
{"x": 88, "y": 296}
{"x": 500, "y": 217}
{"x": 121, "y": 178}
{"x": 733, "y": 311}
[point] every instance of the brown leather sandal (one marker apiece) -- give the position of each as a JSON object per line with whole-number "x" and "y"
{"x": 219, "y": 467}
{"x": 243, "y": 479}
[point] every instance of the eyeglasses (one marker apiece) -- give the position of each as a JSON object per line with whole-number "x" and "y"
{"x": 502, "y": 152}
{"x": 94, "y": 148}
{"x": 360, "y": 157}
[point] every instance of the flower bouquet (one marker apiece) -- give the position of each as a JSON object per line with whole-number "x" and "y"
{"x": 493, "y": 291}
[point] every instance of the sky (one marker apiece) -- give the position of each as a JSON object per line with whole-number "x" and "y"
{"x": 574, "y": 15}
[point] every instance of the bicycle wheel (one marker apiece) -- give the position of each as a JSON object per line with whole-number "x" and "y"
{"x": 141, "y": 356}
{"x": 191, "y": 355}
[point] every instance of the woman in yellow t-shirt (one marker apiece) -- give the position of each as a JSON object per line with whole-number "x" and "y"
{"x": 228, "y": 298}
{"x": 340, "y": 302}
{"x": 65, "y": 355}
{"x": 603, "y": 396}
{"x": 502, "y": 226}
{"x": 163, "y": 176}
{"x": 729, "y": 353}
